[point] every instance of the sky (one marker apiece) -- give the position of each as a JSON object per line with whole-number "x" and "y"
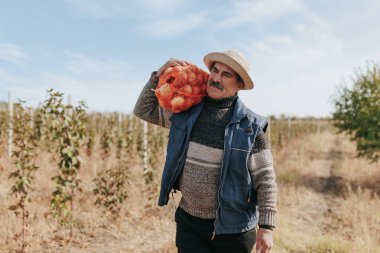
{"x": 104, "y": 51}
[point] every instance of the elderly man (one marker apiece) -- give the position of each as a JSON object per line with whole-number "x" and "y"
{"x": 218, "y": 158}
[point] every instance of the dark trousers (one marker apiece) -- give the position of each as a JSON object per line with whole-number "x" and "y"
{"x": 195, "y": 235}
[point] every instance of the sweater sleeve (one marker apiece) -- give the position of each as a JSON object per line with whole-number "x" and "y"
{"x": 147, "y": 107}
{"x": 264, "y": 180}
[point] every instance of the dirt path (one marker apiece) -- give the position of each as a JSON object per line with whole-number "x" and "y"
{"x": 322, "y": 204}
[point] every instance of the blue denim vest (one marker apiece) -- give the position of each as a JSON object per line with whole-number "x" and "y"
{"x": 237, "y": 209}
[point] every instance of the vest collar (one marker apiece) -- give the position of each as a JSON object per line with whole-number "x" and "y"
{"x": 240, "y": 112}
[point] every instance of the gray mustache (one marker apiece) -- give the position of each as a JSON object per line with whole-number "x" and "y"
{"x": 216, "y": 85}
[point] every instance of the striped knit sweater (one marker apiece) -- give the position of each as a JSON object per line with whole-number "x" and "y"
{"x": 200, "y": 178}
{"x": 199, "y": 181}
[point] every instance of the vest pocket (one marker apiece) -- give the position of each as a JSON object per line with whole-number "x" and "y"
{"x": 237, "y": 173}
{"x": 235, "y": 205}
{"x": 244, "y": 137}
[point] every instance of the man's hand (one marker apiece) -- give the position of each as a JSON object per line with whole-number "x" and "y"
{"x": 171, "y": 63}
{"x": 264, "y": 240}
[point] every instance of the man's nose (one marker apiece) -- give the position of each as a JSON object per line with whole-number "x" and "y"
{"x": 217, "y": 78}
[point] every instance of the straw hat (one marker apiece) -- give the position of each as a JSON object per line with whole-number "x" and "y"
{"x": 233, "y": 59}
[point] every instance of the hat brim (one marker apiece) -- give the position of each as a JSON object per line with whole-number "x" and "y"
{"x": 211, "y": 58}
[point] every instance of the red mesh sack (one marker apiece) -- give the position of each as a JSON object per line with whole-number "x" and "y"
{"x": 179, "y": 88}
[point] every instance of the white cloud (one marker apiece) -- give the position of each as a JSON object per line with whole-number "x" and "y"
{"x": 164, "y": 18}
{"x": 295, "y": 73}
{"x": 100, "y": 94}
{"x": 305, "y": 43}
{"x": 94, "y": 67}
{"x": 99, "y": 8}
{"x": 263, "y": 13}
{"x": 106, "y": 84}
{"x": 13, "y": 54}
{"x": 301, "y": 51}
{"x": 257, "y": 12}
{"x": 137, "y": 9}
{"x": 294, "y": 55}
{"x": 300, "y": 38}
{"x": 307, "y": 93}
{"x": 165, "y": 6}
{"x": 5, "y": 77}
{"x": 169, "y": 26}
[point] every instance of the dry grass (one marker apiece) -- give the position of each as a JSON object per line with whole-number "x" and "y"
{"x": 328, "y": 198}
{"x": 328, "y": 202}
{"x": 139, "y": 229}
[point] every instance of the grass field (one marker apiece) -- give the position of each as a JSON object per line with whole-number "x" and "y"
{"x": 328, "y": 202}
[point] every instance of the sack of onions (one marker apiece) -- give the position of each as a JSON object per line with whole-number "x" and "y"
{"x": 181, "y": 87}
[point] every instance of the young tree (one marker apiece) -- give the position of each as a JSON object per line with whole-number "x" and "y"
{"x": 357, "y": 111}
{"x": 110, "y": 184}
{"x": 23, "y": 156}
{"x": 107, "y": 137}
{"x": 66, "y": 124}
{"x": 110, "y": 188}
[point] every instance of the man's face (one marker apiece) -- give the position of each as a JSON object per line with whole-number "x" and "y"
{"x": 222, "y": 82}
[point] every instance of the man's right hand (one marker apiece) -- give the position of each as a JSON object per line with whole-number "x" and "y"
{"x": 171, "y": 63}
{"x": 264, "y": 240}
